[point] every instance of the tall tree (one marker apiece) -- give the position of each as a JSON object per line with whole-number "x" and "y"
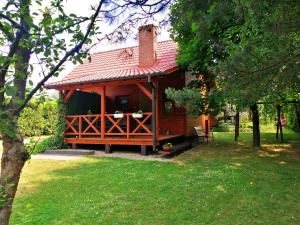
{"x": 30, "y": 30}
{"x": 252, "y": 47}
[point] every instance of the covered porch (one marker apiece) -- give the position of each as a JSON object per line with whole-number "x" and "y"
{"x": 93, "y": 120}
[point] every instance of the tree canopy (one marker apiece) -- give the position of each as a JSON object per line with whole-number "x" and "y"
{"x": 251, "y": 47}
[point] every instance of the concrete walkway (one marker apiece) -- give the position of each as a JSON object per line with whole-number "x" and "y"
{"x": 124, "y": 155}
{"x": 55, "y": 157}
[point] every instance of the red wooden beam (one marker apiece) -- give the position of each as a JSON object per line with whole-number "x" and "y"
{"x": 145, "y": 90}
{"x": 101, "y": 84}
{"x": 115, "y": 124}
{"x": 172, "y": 70}
{"x": 158, "y": 109}
{"x": 68, "y": 95}
{"x": 128, "y": 125}
{"x": 103, "y": 109}
{"x": 142, "y": 124}
{"x": 91, "y": 124}
{"x": 70, "y": 123}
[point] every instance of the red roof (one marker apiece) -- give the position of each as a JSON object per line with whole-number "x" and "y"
{"x": 120, "y": 64}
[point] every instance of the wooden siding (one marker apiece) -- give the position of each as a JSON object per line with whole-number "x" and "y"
{"x": 175, "y": 122}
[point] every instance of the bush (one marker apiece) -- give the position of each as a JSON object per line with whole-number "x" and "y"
{"x": 56, "y": 141}
{"x": 224, "y": 127}
{"x": 246, "y": 126}
{"x": 50, "y": 143}
{"x": 37, "y": 119}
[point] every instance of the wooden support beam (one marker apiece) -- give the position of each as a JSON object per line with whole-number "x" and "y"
{"x": 68, "y": 95}
{"x": 101, "y": 84}
{"x": 80, "y": 127}
{"x": 107, "y": 149}
{"x": 155, "y": 113}
{"x": 143, "y": 150}
{"x": 91, "y": 90}
{"x": 128, "y": 126}
{"x": 145, "y": 90}
{"x": 103, "y": 109}
{"x": 158, "y": 101}
{"x": 169, "y": 71}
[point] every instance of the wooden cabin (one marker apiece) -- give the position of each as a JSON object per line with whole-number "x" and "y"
{"x": 102, "y": 94}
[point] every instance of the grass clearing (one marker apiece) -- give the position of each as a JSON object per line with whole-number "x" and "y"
{"x": 216, "y": 183}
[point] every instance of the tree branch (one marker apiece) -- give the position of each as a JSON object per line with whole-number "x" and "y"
{"x": 62, "y": 61}
{"x": 14, "y": 23}
{"x": 7, "y": 62}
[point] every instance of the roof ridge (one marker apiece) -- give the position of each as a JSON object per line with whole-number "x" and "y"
{"x": 133, "y": 46}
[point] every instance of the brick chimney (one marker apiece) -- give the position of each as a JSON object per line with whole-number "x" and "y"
{"x": 147, "y": 45}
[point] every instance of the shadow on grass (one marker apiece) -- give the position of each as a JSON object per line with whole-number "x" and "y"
{"x": 91, "y": 189}
{"x": 224, "y": 147}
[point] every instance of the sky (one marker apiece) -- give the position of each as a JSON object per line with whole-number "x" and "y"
{"x": 82, "y": 8}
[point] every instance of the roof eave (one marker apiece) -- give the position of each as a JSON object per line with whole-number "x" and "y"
{"x": 60, "y": 86}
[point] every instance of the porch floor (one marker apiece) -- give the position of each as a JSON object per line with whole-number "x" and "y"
{"x": 133, "y": 140}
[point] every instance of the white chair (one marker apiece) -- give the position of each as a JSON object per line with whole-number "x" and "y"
{"x": 202, "y": 135}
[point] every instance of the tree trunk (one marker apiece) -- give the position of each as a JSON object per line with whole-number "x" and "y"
{"x": 279, "y": 125}
{"x": 255, "y": 123}
{"x": 237, "y": 126}
{"x": 297, "y": 117}
{"x": 13, "y": 158}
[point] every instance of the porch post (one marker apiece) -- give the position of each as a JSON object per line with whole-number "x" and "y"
{"x": 154, "y": 132}
{"x": 103, "y": 109}
{"x": 157, "y": 108}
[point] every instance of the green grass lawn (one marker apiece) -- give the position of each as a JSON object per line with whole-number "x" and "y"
{"x": 216, "y": 183}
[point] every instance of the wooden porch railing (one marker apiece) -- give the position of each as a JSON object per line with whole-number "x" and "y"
{"x": 81, "y": 126}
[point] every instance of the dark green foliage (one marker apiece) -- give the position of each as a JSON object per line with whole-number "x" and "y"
{"x": 251, "y": 47}
{"x": 224, "y": 127}
{"x": 292, "y": 112}
{"x": 50, "y": 143}
{"x": 58, "y": 137}
{"x": 56, "y": 141}
{"x": 189, "y": 98}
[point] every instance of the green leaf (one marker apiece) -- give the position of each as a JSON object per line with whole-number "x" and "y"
{"x": 10, "y": 90}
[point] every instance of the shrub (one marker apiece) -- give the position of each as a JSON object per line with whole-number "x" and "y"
{"x": 246, "y": 126}
{"x": 50, "y": 143}
{"x": 37, "y": 119}
{"x": 56, "y": 141}
{"x": 224, "y": 127}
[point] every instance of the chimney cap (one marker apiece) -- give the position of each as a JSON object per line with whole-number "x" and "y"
{"x": 147, "y": 26}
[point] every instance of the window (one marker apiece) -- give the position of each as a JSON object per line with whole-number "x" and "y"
{"x": 122, "y": 103}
